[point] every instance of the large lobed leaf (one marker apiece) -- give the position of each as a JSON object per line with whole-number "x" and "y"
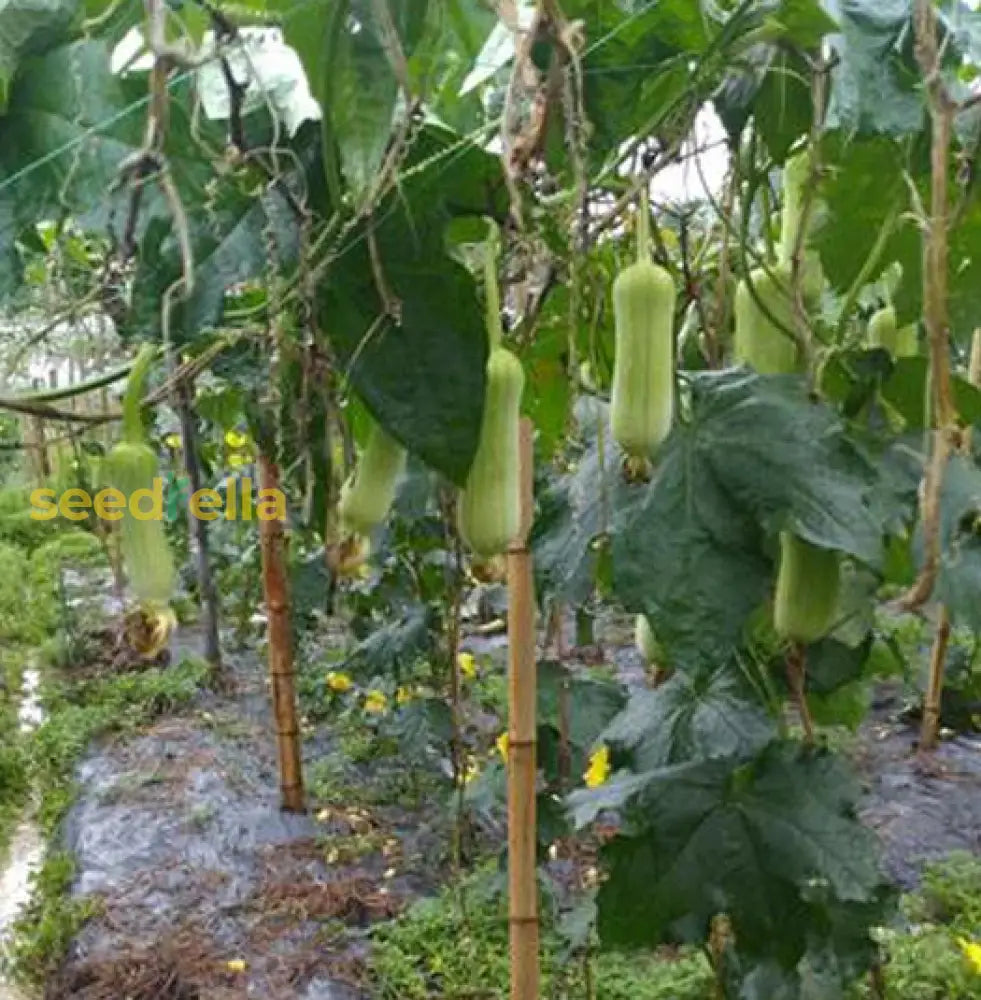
{"x": 693, "y": 716}
{"x": 691, "y": 548}
{"x": 774, "y": 843}
{"x": 29, "y": 27}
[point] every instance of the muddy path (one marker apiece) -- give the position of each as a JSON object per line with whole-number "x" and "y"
{"x": 920, "y": 813}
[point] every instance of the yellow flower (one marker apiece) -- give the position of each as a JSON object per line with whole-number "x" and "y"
{"x": 972, "y": 952}
{"x": 339, "y": 682}
{"x": 467, "y": 665}
{"x": 237, "y": 459}
{"x": 599, "y": 768}
{"x": 375, "y": 702}
{"x": 502, "y": 745}
{"x": 235, "y": 965}
{"x": 236, "y": 440}
{"x": 404, "y": 695}
{"x": 471, "y": 772}
{"x": 173, "y": 441}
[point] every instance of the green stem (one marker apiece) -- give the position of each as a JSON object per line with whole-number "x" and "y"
{"x": 133, "y": 399}
{"x": 78, "y": 389}
{"x": 495, "y": 332}
{"x": 644, "y": 227}
{"x": 867, "y": 270}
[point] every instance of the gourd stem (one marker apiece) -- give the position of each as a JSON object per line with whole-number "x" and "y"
{"x": 644, "y": 226}
{"x": 133, "y": 397}
{"x": 495, "y": 332}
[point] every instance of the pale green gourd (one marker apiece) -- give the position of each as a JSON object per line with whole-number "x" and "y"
{"x": 489, "y": 505}
{"x": 130, "y": 466}
{"x": 367, "y": 496}
{"x": 806, "y": 598}
{"x": 642, "y": 390}
{"x": 758, "y": 341}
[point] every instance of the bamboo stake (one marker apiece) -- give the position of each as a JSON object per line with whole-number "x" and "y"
{"x": 930, "y": 723}
{"x": 280, "y": 641}
{"x": 522, "y": 710}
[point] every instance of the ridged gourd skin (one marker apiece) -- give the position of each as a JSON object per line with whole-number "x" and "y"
{"x": 145, "y": 550}
{"x": 642, "y": 391}
{"x": 807, "y": 588}
{"x": 489, "y": 509}
{"x": 900, "y": 342}
{"x": 757, "y": 341}
{"x": 646, "y": 641}
{"x": 367, "y": 496}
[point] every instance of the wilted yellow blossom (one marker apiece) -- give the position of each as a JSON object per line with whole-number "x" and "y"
{"x": 599, "y": 768}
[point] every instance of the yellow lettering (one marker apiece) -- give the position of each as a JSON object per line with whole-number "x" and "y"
{"x": 109, "y": 504}
{"x": 73, "y": 504}
{"x": 43, "y": 507}
{"x": 198, "y": 500}
{"x": 155, "y": 513}
{"x": 246, "y": 499}
{"x": 271, "y": 505}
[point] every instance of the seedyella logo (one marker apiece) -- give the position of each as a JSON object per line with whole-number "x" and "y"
{"x": 111, "y": 504}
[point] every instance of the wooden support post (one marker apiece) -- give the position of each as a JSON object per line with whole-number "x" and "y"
{"x": 280, "y": 642}
{"x": 522, "y": 712}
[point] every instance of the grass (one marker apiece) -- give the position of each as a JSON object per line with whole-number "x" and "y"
{"x": 924, "y": 960}
{"x": 433, "y": 951}
{"x": 50, "y": 921}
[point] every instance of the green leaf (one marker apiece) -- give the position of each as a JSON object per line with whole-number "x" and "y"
{"x": 242, "y": 237}
{"x": 803, "y": 22}
{"x": 629, "y": 46}
{"x": 693, "y": 716}
{"x": 749, "y": 840}
{"x": 30, "y": 27}
{"x": 875, "y": 84}
{"x": 864, "y": 191}
{"x": 69, "y": 127}
{"x": 422, "y": 378}
{"x": 959, "y": 580}
{"x": 575, "y": 510}
{"x": 783, "y": 108}
{"x": 592, "y": 703}
{"x": 350, "y": 74}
